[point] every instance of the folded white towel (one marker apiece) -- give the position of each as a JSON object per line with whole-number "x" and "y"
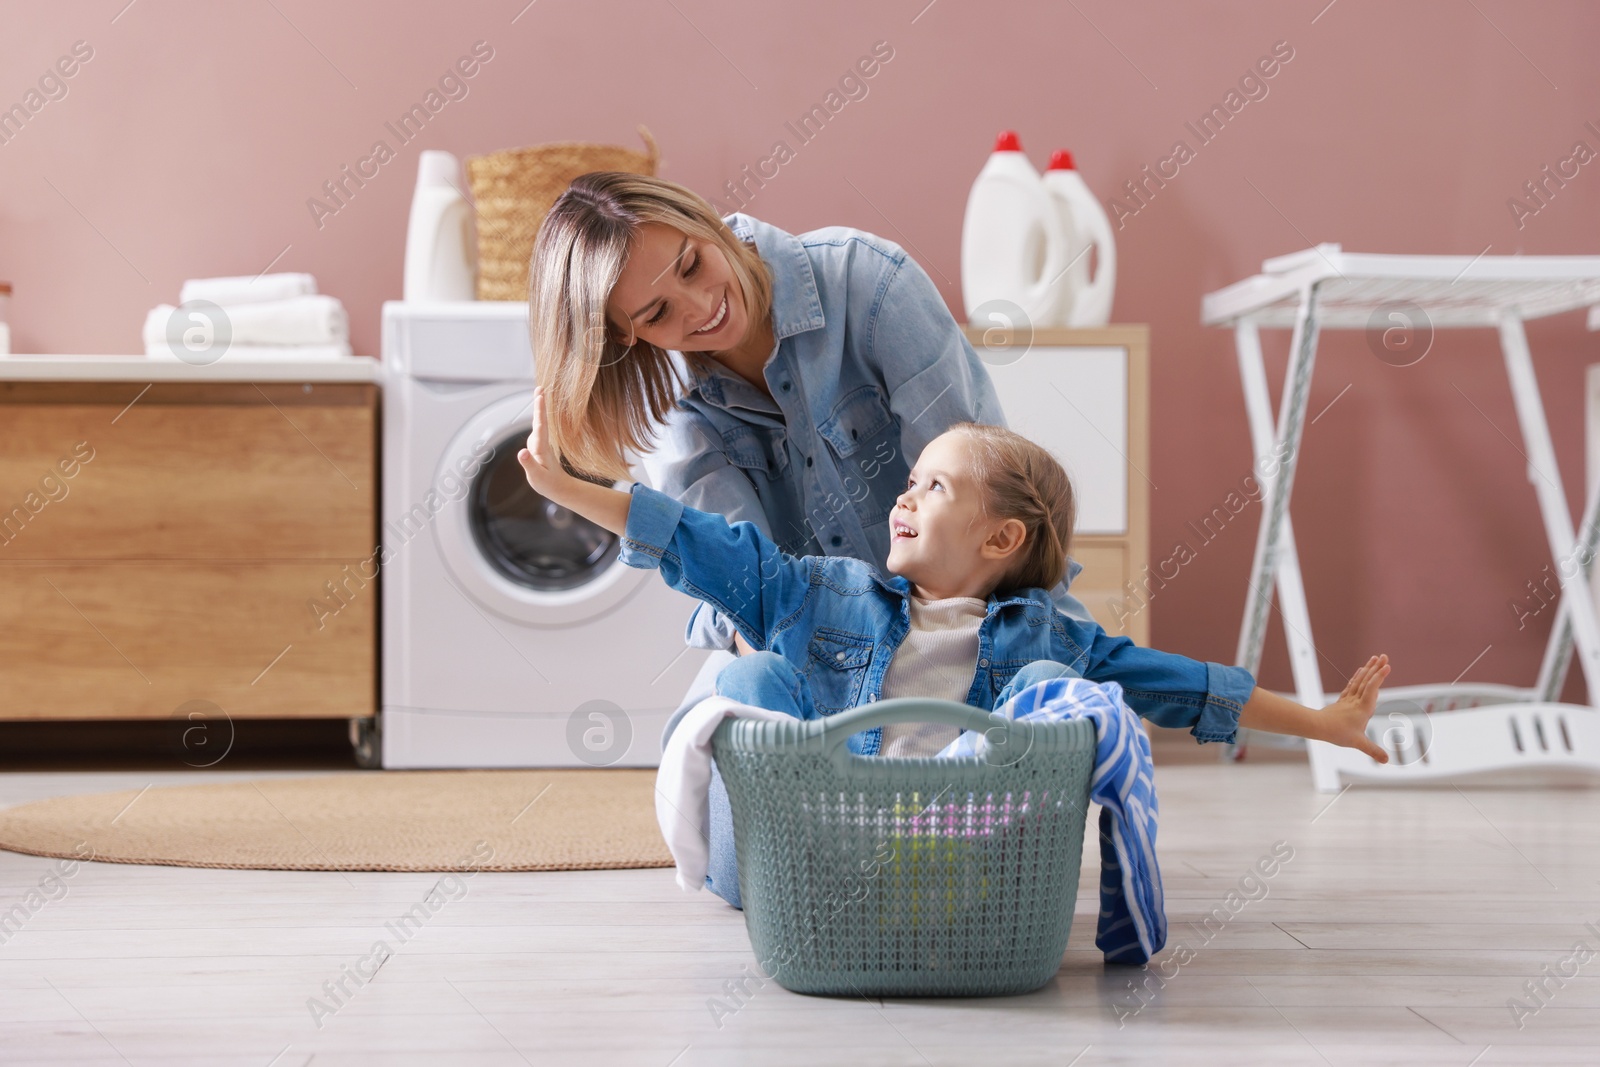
{"x": 684, "y": 779}
{"x": 154, "y": 332}
{"x": 245, "y": 353}
{"x": 305, "y": 320}
{"x": 248, "y": 289}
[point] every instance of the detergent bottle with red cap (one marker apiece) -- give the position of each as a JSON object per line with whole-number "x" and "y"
{"x": 1080, "y": 301}
{"x": 1013, "y": 243}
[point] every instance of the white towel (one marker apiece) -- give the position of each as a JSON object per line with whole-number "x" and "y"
{"x": 683, "y": 783}
{"x": 306, "y": 320}
{"x": 248, "y": 289}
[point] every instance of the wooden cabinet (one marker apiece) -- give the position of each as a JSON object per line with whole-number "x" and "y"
{"x": 1084, "y": 395}
{"x": 174, "y": 541}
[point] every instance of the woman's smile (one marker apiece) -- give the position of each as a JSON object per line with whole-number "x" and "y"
{"x": 717, "y": 320}
{"x": 680, "y": 294}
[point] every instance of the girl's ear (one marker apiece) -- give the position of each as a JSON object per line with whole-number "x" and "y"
{"x": 1006, "y": 540}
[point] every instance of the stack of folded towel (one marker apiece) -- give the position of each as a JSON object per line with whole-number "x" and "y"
{"x": 264, "y": 317}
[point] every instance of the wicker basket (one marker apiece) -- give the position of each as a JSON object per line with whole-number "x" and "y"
{"x": 907, "y": 877}
{"x": 515, "y": 188}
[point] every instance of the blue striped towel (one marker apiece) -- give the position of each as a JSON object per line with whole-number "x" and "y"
{"x": 1133, "y": 918}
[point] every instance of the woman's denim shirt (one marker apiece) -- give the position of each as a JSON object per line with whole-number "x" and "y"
{"x": 869, "y": 367}
{"x": 840, "y": 620}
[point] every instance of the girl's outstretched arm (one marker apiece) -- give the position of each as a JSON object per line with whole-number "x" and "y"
{"x": 1343, "y": 722}
{"x": 600, "y": 504}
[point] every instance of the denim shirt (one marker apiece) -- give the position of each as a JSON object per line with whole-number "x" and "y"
{"x": 839, "y": 621}
{"x": 869, "y": 366}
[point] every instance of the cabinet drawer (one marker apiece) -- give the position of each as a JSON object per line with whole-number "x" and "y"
{"x": 1102, "y": 588}
{"x": 138, "y": 639}
{"x": 186, "y": 471}
{"x": 1105, "y": 563}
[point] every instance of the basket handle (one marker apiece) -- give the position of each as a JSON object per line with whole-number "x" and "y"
{"x": 1005, "y": 735}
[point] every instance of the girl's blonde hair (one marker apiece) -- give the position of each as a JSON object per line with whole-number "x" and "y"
{"x": 1022, "y": 480}
{"x": 603, "y": 394}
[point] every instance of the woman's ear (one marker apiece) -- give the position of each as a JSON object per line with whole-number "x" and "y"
{"x": 606, "y": 329}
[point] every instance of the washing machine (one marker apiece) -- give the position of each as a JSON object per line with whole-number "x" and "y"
{"x": 512, "y": 634}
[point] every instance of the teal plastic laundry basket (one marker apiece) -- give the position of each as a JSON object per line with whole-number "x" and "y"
{"x": 872, "y": 876}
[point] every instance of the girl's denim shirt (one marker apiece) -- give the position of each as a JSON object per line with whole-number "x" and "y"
{"x": 869, "y": 366}
{"x": 839, "y": 621}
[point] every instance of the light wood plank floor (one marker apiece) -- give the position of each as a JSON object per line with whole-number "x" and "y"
{"x": 1396, "y": 934}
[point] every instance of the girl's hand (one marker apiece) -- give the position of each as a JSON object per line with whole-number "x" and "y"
{"x": 545, "y": 476}
{"x": 1346, "y": 718}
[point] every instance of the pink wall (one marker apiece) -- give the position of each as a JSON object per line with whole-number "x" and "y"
{"x": 191, "y": 141}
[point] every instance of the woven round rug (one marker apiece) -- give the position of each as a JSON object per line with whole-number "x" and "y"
{"x": 558, "y": 820}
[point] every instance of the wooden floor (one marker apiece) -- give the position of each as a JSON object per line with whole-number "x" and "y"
{"x": 1396, "y": 934}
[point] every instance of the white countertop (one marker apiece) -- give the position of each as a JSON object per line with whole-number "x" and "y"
{"x": 52, "y": 368}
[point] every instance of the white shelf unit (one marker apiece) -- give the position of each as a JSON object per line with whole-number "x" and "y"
{"x": 1444, "y": 732}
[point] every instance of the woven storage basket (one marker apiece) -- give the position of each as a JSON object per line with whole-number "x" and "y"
{"x": 894, "y": 877}
{"x": 515, "y": 188}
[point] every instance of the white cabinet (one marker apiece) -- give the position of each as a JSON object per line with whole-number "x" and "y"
{"x": 1084, "y": 395}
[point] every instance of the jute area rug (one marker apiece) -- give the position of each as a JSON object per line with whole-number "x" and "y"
{"x": 555, "y": 820}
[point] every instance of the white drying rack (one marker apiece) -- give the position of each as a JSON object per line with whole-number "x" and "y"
{"x": 1440, "y": 731}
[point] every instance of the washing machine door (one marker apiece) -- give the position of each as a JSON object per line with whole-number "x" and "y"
{"x": 511, "y": 550}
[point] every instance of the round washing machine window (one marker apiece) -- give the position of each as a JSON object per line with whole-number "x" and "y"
{"x": 527, "y": 538}
{"x": 510, "y": 550}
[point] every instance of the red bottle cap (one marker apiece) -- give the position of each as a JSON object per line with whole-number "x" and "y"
{"x": 1061, "y": 159}
{"x": 1008, "y": 141}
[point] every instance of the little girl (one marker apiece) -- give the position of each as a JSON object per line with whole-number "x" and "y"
{"x": 977, "y": 537}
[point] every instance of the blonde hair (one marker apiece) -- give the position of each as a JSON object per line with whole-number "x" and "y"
{"x": 1022, "y": 480}
{"x": 604, "y": 395}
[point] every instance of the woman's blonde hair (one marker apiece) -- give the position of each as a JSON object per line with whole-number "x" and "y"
{"x": 1022, "y": 480}
{"x": 604, "y": 395}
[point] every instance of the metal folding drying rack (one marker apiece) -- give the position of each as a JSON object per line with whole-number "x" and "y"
{"x": 1440, "y": 731}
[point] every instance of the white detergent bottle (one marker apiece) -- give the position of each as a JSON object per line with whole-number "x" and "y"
{"x": 1013, "y": 244}
{"x": 1080, "y": 301}
{"x": 441, "y": 244}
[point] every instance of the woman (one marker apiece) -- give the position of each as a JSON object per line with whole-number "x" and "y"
{"x": 817, "y": 367}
